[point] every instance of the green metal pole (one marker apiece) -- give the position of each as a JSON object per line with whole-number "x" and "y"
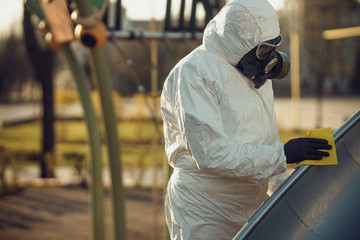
{"x": 97, "y": 193}
{"x": 95, "y": 143}
{"x": 105, "y": 90}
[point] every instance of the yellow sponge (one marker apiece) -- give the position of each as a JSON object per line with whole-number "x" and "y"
{"x": 324, "y": 133}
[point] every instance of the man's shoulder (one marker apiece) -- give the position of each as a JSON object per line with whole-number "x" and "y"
{"x": 194, "y": 56}
{"x": 190, "y": 62}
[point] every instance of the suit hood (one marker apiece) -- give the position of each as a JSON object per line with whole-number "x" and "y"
{"x": 239, "y": 27}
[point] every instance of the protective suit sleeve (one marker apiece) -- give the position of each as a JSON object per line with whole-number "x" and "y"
{"x": 200, "y": 122}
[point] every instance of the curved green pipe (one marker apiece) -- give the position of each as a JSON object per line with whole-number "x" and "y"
{"x": 113, "y": 145}
{"x": 95, "y": 142}
{"x": 100, "y": 67}
{"x": 97, "y": 193}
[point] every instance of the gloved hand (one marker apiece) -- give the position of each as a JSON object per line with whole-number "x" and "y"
{"x": 299, "y": 149}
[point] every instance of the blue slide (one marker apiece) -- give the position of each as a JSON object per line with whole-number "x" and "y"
{"x": 315, "y": 202}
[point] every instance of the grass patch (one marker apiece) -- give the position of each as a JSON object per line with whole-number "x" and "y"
{"x": 23, "y": 137}
{"x": 71, "y": 131}
{"x": 71, "y": 136}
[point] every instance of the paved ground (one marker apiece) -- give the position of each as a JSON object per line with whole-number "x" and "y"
{"x": 63, "y": 213}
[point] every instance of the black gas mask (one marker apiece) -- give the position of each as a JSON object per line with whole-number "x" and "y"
{"x": 263, "y": 62}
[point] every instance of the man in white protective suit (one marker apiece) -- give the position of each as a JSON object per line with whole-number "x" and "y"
{"x": 220, "y": 127}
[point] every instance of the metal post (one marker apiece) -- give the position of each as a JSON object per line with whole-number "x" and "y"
{"x": 320, "y": 69}
{"x": 333, "y": 34}
{"x": 154, "y": 89}
{"x": 295, "y": 79}
{"x": 155, "y": 35}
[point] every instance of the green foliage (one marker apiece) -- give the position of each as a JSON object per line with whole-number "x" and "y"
{"x": 10, "y": 159}
{"x": 77, "y": 159}
{"x": 14, "y": 65}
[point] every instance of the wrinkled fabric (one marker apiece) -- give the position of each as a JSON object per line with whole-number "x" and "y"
{"x": 221, "y": 135}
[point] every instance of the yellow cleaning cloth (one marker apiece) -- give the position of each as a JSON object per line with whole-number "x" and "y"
{"x": 324, "y": 133}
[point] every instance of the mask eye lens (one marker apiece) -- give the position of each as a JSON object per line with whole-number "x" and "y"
{"x": 270, "y": 65}
{"x": 263, "y": 51}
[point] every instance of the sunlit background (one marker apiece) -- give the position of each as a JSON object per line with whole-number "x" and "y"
{"x": 307, "y": 18}
{"x": 321, "y": 38}
{"x": 11, "y": 11}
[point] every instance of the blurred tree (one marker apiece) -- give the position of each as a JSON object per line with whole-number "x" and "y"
{"x": 355, "y": 83}
{"x": 5, "y": 159}
{"x": 130, "y": 62}
{"x": 42, "y": 59}
{"x": 328, "y": 65}
{"x": 335, "y": 59}
{"x": 14, "y": 65}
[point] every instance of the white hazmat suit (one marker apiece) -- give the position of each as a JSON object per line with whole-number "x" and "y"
{"x": 221, "y": 135}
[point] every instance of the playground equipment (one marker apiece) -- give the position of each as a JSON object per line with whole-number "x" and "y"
{"x": 59, "y": 32}
{"x": 316, "y": 202}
